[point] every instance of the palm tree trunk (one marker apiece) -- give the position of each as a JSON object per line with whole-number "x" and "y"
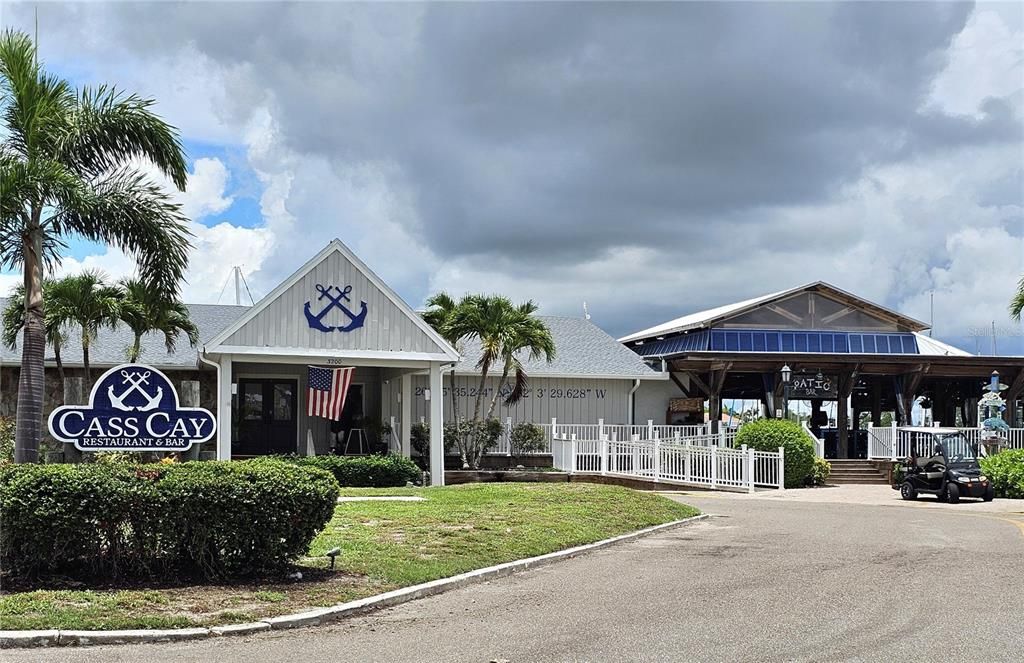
{"x": 85, "y": 359}
{"x": 501, "y": 385}
{"x": 32, "y": 377}
{"x": 58, "y": 360}
{"x": 480, "y": 392}
{"x": 136, "y": 349}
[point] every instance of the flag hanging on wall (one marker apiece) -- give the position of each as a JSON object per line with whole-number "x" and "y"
{"x": 327, "y": 389}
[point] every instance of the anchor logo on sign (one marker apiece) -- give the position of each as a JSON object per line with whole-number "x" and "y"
{"x": 135, "y": 382}
{"x": 315, "y": 321}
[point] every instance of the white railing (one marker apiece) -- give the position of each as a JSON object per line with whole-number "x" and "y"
{"x": 819, "y": 444}
{"x": 668, "y": 461}
{"x": 894, "y": 443}
{"x": 881, "y": 441}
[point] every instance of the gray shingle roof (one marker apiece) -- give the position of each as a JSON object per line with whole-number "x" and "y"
{"x": 110, "y": 346}
{"x": 581, "y": 348}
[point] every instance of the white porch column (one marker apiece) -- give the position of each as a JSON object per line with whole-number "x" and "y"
{"x": 436, "y": 426}
{"x": 406, "y": 414}
{"x": 224, "y": 409}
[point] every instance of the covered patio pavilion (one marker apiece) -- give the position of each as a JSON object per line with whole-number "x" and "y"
{"x": 869, "y": 359}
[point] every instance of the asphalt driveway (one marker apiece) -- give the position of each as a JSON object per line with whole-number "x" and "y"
{"x": 763, "y": 580}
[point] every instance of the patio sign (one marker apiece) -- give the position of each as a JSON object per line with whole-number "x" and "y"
{"x": 810, "y": 385}
{"x": 132, "y": 407}
{"x": 315, "y": 320}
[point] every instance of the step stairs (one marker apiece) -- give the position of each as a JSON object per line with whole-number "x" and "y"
{"x": 855, "y": 471}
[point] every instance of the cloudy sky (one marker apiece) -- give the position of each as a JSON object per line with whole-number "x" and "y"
{"x": 649, "y": 159}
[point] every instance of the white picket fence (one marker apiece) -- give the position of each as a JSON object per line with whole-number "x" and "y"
{"x": 892, "y": 442}
{"x": 695, "y": 435}
{"x": 672, "y": 461}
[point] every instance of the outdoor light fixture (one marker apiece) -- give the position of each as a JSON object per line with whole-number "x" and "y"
{"x": 787, "y": 373}
{"x": 332, "y": 553}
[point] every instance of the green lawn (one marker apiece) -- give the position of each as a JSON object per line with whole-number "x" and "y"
{"x": 384, "y": 546}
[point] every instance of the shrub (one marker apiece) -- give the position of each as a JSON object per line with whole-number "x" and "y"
{"x": 207, "y": 520}
{"x": 420, "y": 442}
{"x": 526, "y": 438}
{"x": 770, "y": 434}
{"x": 6, "y": 439}
{"x": 472, "y": 438}
{"x": 819, "y": 474}
{"x": 365, "y": 471}
{"x": 1006, "y": 472}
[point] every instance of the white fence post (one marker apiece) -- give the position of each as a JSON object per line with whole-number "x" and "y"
{"x": 748, "y": 468}
{"x": 895, "y": 441}
{"x": 782, "y": 468}
{"x": 721, "y": 437}
{"x": 600, "y": 428}
{"x": 714, "y": 467}
{"x": 687, "y": 463}
{"x": 657, "y": 459}
{"x": 635, "y": 454}
{"x": 575, "y": 456}
{"x": 678, "y": 436}
{"x": 508, "y": 436}
{"x": 604, "y": 454}
{"x": 650, "y": 429}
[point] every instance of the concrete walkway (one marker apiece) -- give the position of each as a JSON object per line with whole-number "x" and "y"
{"x": 764, "y": 579}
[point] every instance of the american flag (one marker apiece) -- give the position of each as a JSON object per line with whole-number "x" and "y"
{"x": 327, "y": 389}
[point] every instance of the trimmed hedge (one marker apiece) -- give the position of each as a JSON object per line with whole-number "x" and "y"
{"x": 201, "y": 519}
{"x": 1006, "y": 472}
{"x": 770, "y": 434}
{"x": 365, "y": 471}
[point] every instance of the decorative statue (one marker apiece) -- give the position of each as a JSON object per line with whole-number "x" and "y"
{"x": 990, "y": 410}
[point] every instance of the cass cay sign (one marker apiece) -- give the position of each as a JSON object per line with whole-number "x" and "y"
{"x": 132, "y": 408}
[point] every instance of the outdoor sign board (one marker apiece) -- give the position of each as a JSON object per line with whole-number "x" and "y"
{"x": 132, "y": 407}
{"x": 686, "y": 405}
{"x": 813, "y": 385}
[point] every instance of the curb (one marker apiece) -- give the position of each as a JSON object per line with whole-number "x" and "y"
{"x": 49, "y": 638}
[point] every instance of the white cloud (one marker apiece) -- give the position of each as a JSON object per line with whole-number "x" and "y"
{"x": 984, "y": 61}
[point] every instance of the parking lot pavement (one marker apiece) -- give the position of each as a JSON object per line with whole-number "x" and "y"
{"x": 761, "y": 580}
{"x": 867, "y": 495}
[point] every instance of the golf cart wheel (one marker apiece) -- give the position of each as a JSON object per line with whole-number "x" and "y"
{"x": 907, "y": 491}
{"x": 952, "y": 493}
{"x": 990, "y": 493}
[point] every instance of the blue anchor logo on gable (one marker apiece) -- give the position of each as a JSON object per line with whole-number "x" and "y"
{"x": 315, "y": 320}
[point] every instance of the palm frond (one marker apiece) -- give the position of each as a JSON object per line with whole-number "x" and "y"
{"x": 108, "y": 128}
{"x": 125, "y": 210}
{"x": 1017, "y": 303}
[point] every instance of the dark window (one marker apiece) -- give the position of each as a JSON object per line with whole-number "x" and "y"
{"x": 746, "y": 342}
{"x": 813, "y": 342}
{"x": 759, "y": 342}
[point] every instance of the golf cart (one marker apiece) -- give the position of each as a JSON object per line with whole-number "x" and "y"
{"x": 944, "y": 463}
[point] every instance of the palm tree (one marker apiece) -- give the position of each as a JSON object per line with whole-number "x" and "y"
{"x": 440, "y": 314}
{"x": 69, "y": 167}
{"x": 88, "y": 301}
{"x": 1017, "y": 304}
{"x": 147, "y": 309}
{"x": 523, "y": 331}
{"x": 55, "y": 323}
{"x": 487, "y": 319}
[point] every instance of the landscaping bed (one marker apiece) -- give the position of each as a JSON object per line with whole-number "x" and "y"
{"x": 384, "y": 545}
